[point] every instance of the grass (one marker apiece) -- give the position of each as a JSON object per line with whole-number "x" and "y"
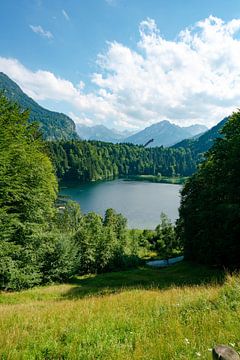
{"x": 178, "y": 312}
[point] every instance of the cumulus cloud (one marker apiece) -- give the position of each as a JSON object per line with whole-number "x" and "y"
{"x": 44, "y": 85}
{"x": 39, "y": 30}
{"x": 80, "y": 120}
{"x": 193, "y": 79}
{"x": 65, "y": 14}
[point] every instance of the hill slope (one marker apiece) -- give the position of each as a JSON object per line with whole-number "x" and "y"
{"x": 164, "y": 133}
{"x": 53, "y": 125}
{"x": 203, "y": 142}
{"x": 178, "y": 312}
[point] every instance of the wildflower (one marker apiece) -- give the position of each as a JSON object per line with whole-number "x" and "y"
{"x": 198, "y": 354}
{"x": 187, "y": 342}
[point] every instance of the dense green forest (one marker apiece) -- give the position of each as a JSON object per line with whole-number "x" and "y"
{"x": 209, "y": 223}
{"x": 41, "y": 242}
{"x": 95, "y": 160}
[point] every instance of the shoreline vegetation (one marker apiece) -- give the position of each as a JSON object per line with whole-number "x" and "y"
{"x": 42, "y": 243}
{"x": 175, "y": 180}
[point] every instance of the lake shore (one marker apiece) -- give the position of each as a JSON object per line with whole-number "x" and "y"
{"x": 178, "y": 180}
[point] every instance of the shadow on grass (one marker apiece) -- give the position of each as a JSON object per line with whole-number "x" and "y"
{"x": 179, "y": 275}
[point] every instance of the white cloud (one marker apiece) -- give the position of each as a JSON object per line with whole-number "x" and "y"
{"x": 44, "y": 85}
{"x": 80, "y": 120}
{"x": 39, "y": 30}
{"x": 193, "y": 79}
{"x": 65, "y": 14}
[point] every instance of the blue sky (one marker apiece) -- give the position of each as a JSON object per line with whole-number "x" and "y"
{"x": 125, "y": 63}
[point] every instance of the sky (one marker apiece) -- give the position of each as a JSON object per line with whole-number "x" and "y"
{"x": 125, "y": 64}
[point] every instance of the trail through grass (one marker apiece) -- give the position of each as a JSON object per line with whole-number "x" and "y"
{"x": 178, "y": 312}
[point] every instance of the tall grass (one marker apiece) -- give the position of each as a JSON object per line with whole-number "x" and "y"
{"x": 175, "y": 313}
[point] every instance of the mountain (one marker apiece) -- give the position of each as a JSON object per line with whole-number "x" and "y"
{"x": 196, "y": 129}
{"x": 203, "y": 143}
{"x": 164, "y": 133}
{"x": 101, "y": 133}
{"x": 53, "y": 125}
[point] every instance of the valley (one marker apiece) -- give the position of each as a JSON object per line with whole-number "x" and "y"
{"x": 85, "y": 207}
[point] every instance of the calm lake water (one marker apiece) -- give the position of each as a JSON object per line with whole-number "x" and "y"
{"x": 140, "y": 202}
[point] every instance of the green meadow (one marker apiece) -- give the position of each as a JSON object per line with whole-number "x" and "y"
{"x": 179, "y": 312}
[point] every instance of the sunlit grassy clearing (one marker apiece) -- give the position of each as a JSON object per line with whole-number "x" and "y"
{"x": 174, "y": 313}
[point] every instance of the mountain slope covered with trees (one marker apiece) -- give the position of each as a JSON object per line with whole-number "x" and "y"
{"x": 52, "y": 125}
{"x": 203, "y": 143}
{"x": 95, "y": 160}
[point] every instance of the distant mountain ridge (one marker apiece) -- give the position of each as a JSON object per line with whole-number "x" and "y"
{"x": 53, "y": 125}
{"x": 58, "y": 126}
{"x": 165, "y": 133}
{"x": 101, "y": 133}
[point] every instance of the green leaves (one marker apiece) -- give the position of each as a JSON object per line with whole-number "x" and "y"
{"x": 209, "y": 221}
{"x": 95, "y": 160}
{"x": 28, "y": 190}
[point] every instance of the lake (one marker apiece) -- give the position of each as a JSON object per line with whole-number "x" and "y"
{"x": 140, "y": 202}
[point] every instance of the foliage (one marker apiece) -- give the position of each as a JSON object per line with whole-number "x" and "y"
{"x": 161, "y": 242}
{"x": 30, "y": 251}
{"x": 167, "y": 244}
{"x": 209, "y": 222}
{"x": 200, "y": 145}
{"x": 39, "y": 243}
{"x": 94, "y": 160}
{"x": 103, "y": 243}
{"x": 69, "y": 217}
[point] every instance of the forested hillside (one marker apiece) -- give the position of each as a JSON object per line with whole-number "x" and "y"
{"x": 209, "y": 222}
{"x": 203, "y": 143}
{"x": 52, "y": 125}
{"x": 40, "y": 242}
{"x": 95, "y": 160}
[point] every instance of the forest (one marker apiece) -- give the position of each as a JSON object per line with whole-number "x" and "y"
{"x": 43, "y": 243}
{"x": 95, "y": 160}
